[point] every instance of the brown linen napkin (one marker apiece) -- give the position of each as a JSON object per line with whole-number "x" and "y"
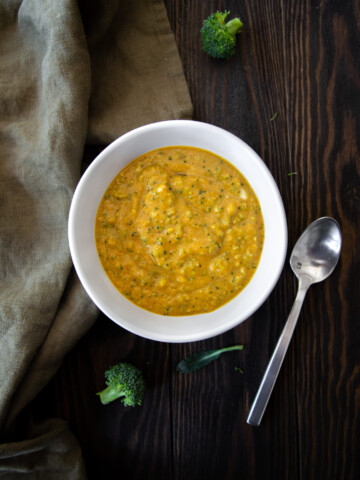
{"x": 136, "y": 71}
{"x": 58, "y": 58}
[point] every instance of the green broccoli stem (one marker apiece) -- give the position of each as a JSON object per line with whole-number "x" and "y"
{"x": 234, "y": 26}
{"x": 109, "y": 394}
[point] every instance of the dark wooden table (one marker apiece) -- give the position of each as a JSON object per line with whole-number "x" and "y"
{"x": 292, "y": 92}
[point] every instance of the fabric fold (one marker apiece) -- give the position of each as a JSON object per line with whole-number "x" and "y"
{"x": 51, "y": 451}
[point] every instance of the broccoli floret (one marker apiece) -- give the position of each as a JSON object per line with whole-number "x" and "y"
{"x": 218, "y": 37}
{"x": 125, "y": 381}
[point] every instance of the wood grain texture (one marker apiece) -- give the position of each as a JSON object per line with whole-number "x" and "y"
{"x": 322, "y": 58}
{"x": 300, "y": 60}
{"x": 241, "y": 95}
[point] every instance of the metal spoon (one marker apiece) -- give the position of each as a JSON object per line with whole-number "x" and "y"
{"x": 313, "y": 259}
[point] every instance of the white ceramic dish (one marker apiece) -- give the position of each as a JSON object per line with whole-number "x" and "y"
{"x": 82, "y": 240}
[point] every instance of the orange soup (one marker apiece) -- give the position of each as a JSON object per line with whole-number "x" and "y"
{"x": 179, "y": 231}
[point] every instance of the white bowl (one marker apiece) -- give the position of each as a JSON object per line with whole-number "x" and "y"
{"x": 82, "y": 224}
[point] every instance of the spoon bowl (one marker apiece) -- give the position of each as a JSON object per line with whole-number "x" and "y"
{"x": 313, "y": 259}
{"x": 317, "y": 251}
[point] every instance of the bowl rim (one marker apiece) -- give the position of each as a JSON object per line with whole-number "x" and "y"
{"x": 149, "y": 333}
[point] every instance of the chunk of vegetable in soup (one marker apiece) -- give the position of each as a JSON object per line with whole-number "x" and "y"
{"x": 179, "y": 231}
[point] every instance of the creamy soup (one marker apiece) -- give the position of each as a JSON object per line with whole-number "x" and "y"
{"x": 179, "y": 231}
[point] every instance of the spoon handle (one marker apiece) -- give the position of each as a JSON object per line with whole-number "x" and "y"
{"x": 267, "y": 384}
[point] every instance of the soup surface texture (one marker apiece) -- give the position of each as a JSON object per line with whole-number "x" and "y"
{"x": 179, "y": 231}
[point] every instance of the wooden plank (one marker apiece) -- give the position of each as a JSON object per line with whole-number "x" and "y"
{"x": 323, "y": 81}
{"x": 118, "y": 441}
{"x": 211, "y": 437}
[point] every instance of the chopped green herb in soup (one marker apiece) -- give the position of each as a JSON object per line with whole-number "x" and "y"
{"x": 179, "y": 231}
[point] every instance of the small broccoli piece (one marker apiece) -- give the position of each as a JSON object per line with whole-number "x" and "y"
{"x": 218, "y": 37}
{"x": 125, "y": 381}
